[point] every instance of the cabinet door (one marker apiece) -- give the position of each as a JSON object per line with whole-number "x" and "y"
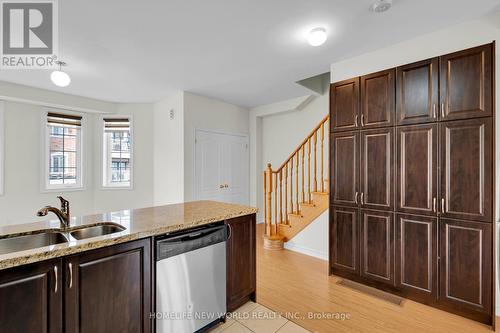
{"x": 377, "y": 169}
{"x": 345, "y": 171}
{"x": 344, "y": 105}
{"x": 466, "y": 83}
{"x": 378, "y": 99}
{"x": 466, "y": 169}
{"x": 416, "y": 256}
{"x": 344, "y": 240}
{"x": 377, "y": 246}
{"x": 416, "y": 169}
{"x": 466, "y": 266}
{"x": 31, "y": 298}
{"x": 241, "y": 261}
{"x": 417, "y": 96}
{"x": 109, "y": 289}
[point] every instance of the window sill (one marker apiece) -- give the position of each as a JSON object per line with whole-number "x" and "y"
{"x": 63, "y": 189}
{"x": 117, "y": 188}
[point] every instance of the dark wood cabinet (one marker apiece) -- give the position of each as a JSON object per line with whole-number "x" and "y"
{"x": 466, "y": 83}
{"x": 467, "y": 169}
{"x": 31, "y": 298}
{"x": 109, "y": 289}
{"x": 345, "y": 171}
{"x": 344, "y": 237}
{"x": 377, "y": 164}
{"x": 377, "y": 246}
{"x": 378, "y": 99}
{"x": 344, "y": 105}
{"x": 416, "y": 169}
{"x": 416, "y": 257}
{"x": 465, "y": 267}
{"x": 417, "y": 92}
{"x": 241, "y": 261}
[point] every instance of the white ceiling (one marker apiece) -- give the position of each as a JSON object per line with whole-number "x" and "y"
{"x": 247, "y": 52}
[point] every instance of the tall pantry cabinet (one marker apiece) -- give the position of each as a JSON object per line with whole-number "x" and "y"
{"x": 412, "y": 173}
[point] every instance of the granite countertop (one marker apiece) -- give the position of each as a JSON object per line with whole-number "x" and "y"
{"x": 139, "y": 223}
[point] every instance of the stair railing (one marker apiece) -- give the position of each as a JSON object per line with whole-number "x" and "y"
{"x": 294, "y": 181}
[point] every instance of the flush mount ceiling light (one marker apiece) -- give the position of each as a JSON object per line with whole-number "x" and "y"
{"x": 317, "y": 36}
{"x": 381, "y": 6}
{"x": 60, "y": 78}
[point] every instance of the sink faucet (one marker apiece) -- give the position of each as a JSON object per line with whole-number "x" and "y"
{"x": 62, "y": 214}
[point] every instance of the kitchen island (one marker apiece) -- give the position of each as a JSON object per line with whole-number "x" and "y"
{"x": 106, "y": 283}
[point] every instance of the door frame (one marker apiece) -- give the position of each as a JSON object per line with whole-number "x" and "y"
{"x": 212, "y": 131}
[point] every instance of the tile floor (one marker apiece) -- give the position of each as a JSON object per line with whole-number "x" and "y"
{"x": 255, "y": 318}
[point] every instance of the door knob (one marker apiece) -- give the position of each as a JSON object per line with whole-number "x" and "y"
{"x": 221, "y": 186}
{"x": 226, "y": 186}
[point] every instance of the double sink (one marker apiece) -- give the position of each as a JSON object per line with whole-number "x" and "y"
{"x": 41, "y": 238}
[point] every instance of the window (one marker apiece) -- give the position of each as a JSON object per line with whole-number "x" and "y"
{"x": 63, "y": 166}
{"x": 117, "y": 152}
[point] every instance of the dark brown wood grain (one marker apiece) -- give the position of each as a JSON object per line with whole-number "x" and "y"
{"x": 378, "y": 99}
{"x": 241, "y": 261}
{"x": 416, "y": 257}
{"x": 29, "y": 302}
{"x": 111, "y": 289}
{"x": 344, "y": 229}
{"x": 416, "y": 169}
{"x": 344, "y": 105}
{"x": 345, "y": 173}
{"x": 376, "y": 171}
{"x": 466, "y": 83}
{"x": 417, "y": 92}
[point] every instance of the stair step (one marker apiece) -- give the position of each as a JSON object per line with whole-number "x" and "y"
{"x": 307, "y": 204}
{"x": 285, "y": 225}
{"x": 320, "y": 193}
{"x": 295, "y": 214}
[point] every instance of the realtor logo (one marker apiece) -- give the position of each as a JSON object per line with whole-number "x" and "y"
{"x": 29, "y": 34}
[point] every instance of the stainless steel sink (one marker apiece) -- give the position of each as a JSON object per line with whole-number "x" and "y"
{"x": 95, "y": 231}
{"x": 10, "y": 244}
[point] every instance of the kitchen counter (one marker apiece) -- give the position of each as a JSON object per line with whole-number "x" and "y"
{"x": 139, "y": 223}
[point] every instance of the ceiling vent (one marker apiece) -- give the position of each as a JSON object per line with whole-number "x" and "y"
{"x": 381, "y": 6}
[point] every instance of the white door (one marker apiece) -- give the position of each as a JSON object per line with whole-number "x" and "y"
{"x": 221, "y": 167}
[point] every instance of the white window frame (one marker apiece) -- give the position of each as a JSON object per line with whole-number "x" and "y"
{"x": 2, "y": 148}
{"x": 45, "y": 160}
{"x": 105, "y": 184}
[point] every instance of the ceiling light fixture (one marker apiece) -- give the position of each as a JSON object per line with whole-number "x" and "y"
{"x": 60, "y": 78}
{"x": 381, "y": 6}
{"x": 317, "y": 36}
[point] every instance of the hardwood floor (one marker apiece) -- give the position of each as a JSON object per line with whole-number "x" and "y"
{"x": 297, "y": 284}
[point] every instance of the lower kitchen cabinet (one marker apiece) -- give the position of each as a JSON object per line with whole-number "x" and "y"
{"x": 377, "y": 246}
{"x": 31, "y": 298}
{"x": 466, "y": 268}
{"x": 416, "y": 257}
{"x": 241, "y": 261}
{"x": 109, "y": 289}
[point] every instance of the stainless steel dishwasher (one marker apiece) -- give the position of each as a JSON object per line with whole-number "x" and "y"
{"x": 191, "y": 280}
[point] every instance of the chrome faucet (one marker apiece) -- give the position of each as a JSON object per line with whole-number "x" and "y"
{"x": 62, "y": 214}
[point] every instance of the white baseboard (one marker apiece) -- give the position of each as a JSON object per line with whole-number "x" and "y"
{"x": 306, "y": 251}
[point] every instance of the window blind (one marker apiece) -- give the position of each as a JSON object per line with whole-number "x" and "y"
{"x": 116, "y": 125}
{"x": 59, "y": 119}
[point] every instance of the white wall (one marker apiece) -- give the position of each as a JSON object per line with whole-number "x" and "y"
{"x": 313, "y": 240}
{"x": 205, "y": 113}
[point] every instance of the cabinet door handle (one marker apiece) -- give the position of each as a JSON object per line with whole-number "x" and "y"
{"x": 70, "y": 269}
{"x": 356, "y": 120}
{"x": 356, "y": 198}
{"x": 56, "y": 283}
{"x": 362, "y": 198}
{"x": 434, "y": 204}
{"x": 230, "y": 229}
{"x": 434, "y": 115}
{"x": 362, "y": 120}
{"x": 442, "y": 205}
{"x": 442, "y": 110}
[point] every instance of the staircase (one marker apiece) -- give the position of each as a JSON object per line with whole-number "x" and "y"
{"x": 296, "y": 193}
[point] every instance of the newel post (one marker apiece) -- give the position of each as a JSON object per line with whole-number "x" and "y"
{"x": 268, "y": 192}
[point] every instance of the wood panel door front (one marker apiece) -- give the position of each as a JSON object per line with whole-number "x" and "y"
{"x": 466, "y": 266}
{"x": 416, "y": 169}
{"x": 466, "y": 169}
{"x": 109, "y": 289}
{"x": 417, "y": 92}
{"x": 416, "y": 256}
{"x": 31, "y": 298}
{"x": 345, "y": 170}
{"x": 377, "y": 246}
{"x": 240, "y": 261}
{"x": 377, "y": 169}
{"x": 467, "y": 83}
{"x": 344, "y": 240}
{"x": 344, "y": 105}
{"x": 378, "y": 99}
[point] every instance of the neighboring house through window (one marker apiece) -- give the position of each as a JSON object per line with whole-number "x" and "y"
{"x": 117, "y": 152}
{"x": 63, "y": 151}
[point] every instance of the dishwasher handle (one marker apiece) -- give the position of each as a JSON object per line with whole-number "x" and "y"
{"x": 190, "y": 241}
